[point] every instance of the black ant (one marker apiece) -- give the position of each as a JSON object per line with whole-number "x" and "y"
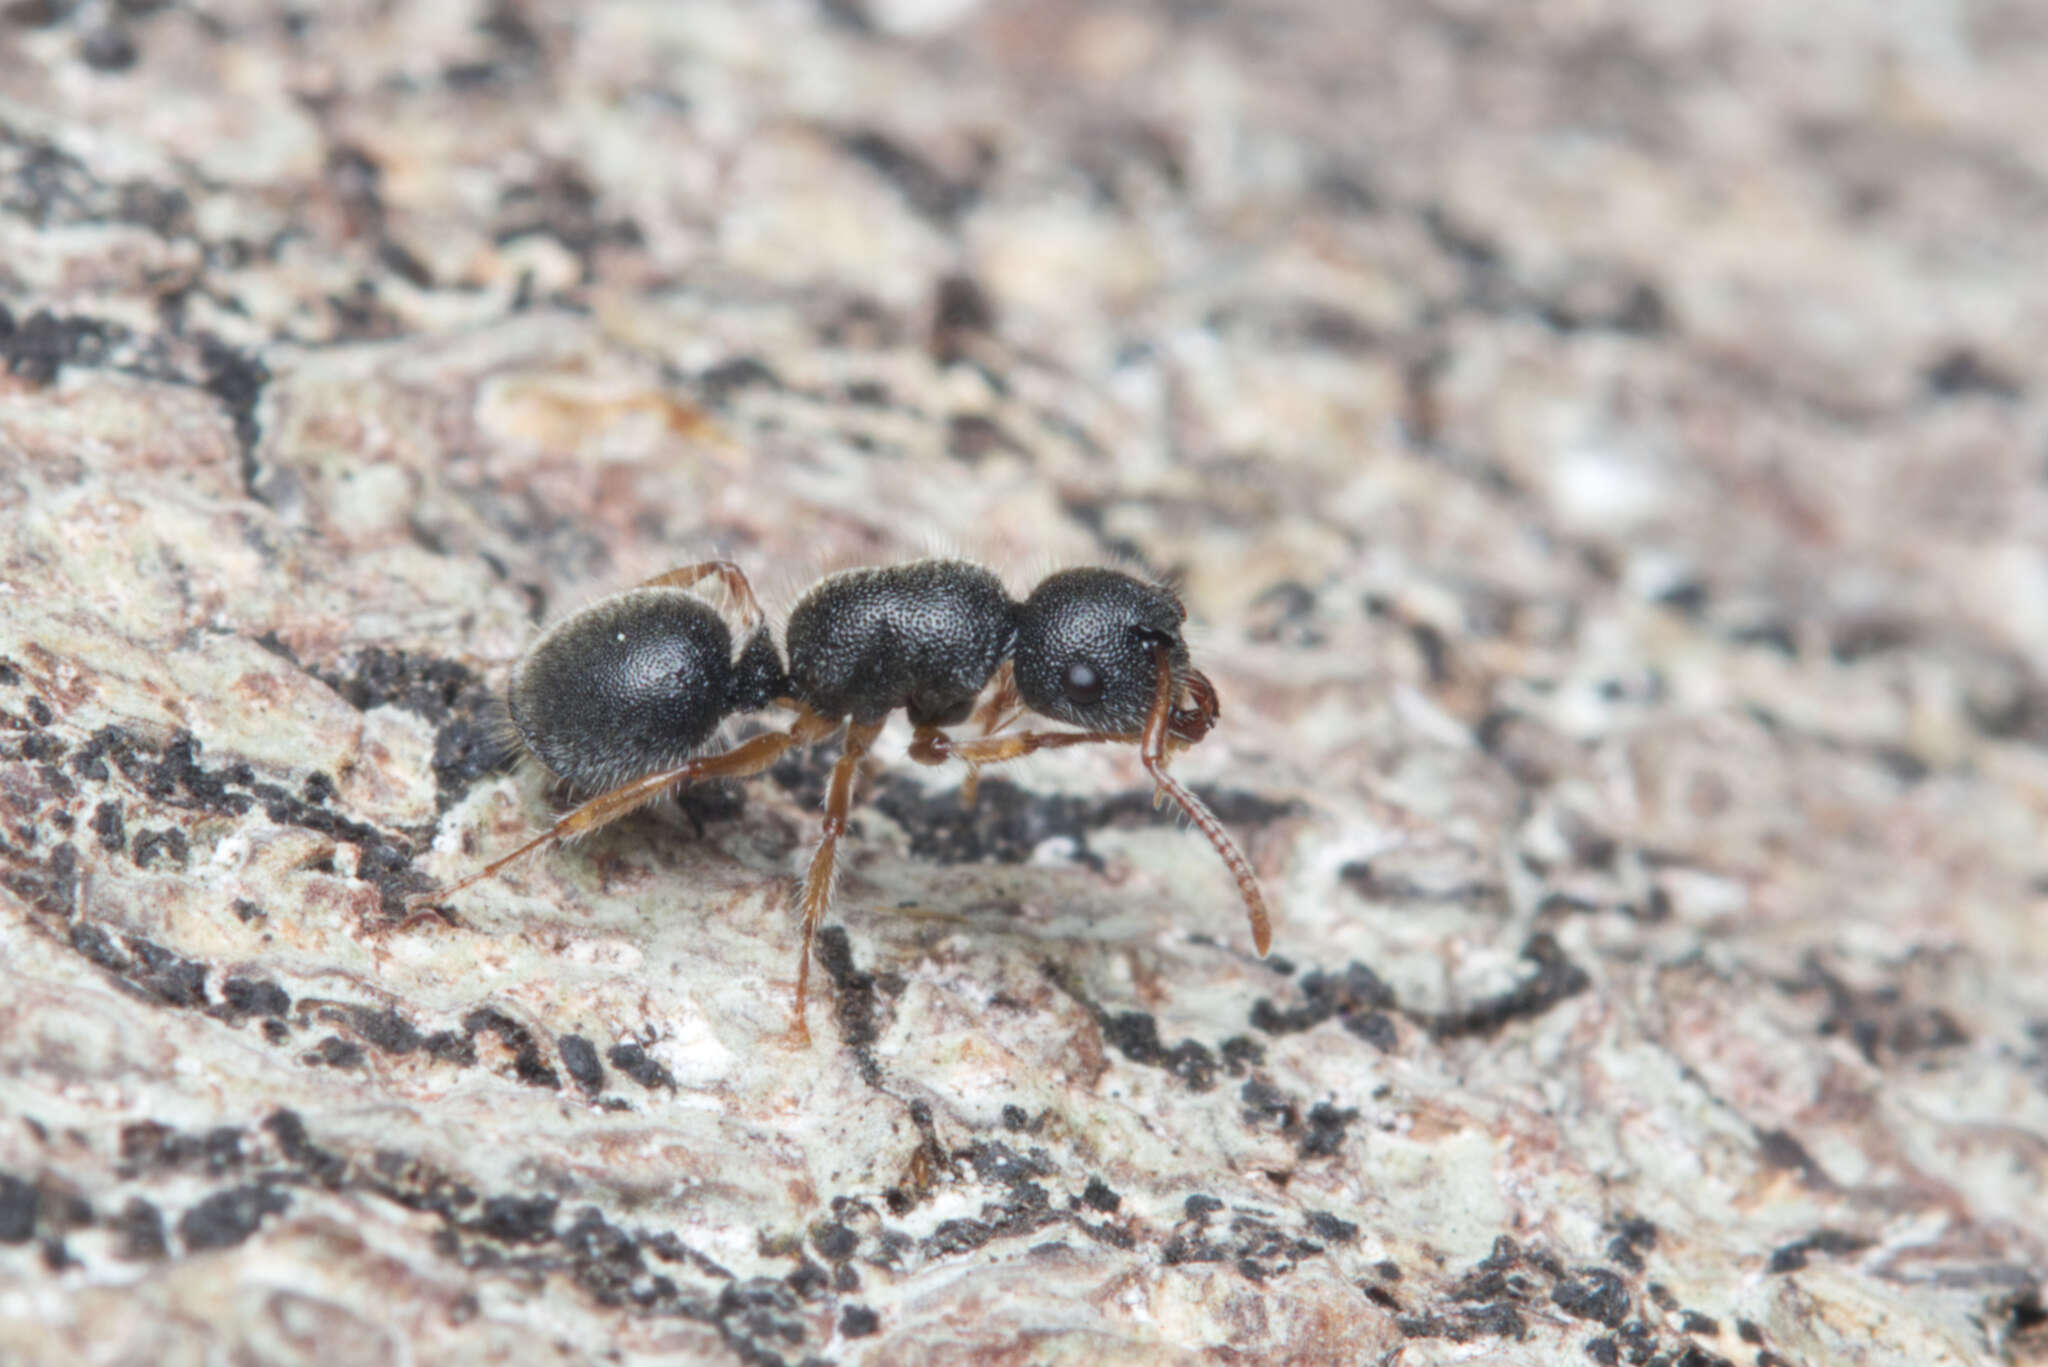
{"x": 622, "y": 695}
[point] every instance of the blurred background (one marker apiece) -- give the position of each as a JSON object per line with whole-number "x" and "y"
{"x": 1604, "y": 452}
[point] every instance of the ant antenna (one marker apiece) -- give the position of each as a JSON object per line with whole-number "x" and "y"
{"x": 1152, "y": 752}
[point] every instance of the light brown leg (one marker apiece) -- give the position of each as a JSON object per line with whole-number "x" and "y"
{"x": 1153, "y": 749}
{"x": 1156, "y": 744}
{"x": 1004, "y": 706}
{"x": 749, "y": 757}
{"x": 730, "y": 575}
{"x": 818, "y": 882}
{"x": 930, "y": 745}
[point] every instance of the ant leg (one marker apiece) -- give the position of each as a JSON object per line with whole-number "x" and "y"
{"x": 1004, "y": 706}
{"x": 729, "y": 575}
{"x": 930, "y": 745}
{"x": 747, "y": 758}
{"x": 933, "y": 746}
{"x": 1187, "y": 725}
{"x": 1152, "y": 752}
{"x": 818, "y": 882}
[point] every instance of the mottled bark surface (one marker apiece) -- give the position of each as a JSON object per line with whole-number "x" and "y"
{"x": 1602, "y": 444}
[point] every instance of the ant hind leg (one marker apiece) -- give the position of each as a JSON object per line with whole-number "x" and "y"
{"x": 745, "y": 759}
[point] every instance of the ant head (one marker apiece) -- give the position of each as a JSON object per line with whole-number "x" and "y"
{"x": 1088, "y": 644}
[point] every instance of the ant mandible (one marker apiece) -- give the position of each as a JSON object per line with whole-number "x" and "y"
{"x": 621, "y": 696}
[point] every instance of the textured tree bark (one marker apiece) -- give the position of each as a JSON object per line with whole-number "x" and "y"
{"x": 1601, "y": 447}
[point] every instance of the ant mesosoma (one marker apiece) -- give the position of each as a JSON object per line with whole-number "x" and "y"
{"x": 621, "y": 696}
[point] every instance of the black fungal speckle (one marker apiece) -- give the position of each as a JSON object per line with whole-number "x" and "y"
{"x": 855, "y": 1001}
{"x": 579, "y": 1056}
{"x": 857, "y": 1321}
{"x": 17, "y": 1210}
{"x": 169, "y": 842}
{"x": 444, "y": 693}
{"x": 288, "y": 1131}
{"x": 1350, "y": 996}
{"x": 835, "y": 1242}
{"x": 170, "y": 978}
{"x": 1832, "y": 1242}
{"x": 637, "y": 1064}
{"x": 108, "y": 48}
{"x": 174, "y": 777}
{"x": 1881, "y": 1023}
{"x": 1097, "y": 1195}
{"x": 450, "y": 1046}
{"x": 385, "y": 1029}
{"x": 518, "y": 1220}
{"x": 1963, "y": 371}
{"x": 147, "y": 1145}
{"x": 527, "y": 1064}
{"x": 1008, "y": 824}
{"x": 138, "y": 1230}
{"x": 98, "y": 947}
{"x": 44, "y": 343}
{"x": 1632, "y": 1238}
{"x": 226, "y": 1218}
{"x": 1781, "y": 1149}
{"x": 1556, "y": 979}
{"x": 927, "y": 189}
{"x": 720, "y": 382}
{"x": 1323, "y": 1130}
{"x": 1135, "y": 1035}
{"x": 109, "y": 827}
{"x": 334, "y": 1052}
{"x": 1330, "y": 1228}
{"x": 1594, "y": 1293}
{"x": 1465, "y": 1323}
{"x": 997, "y": 1162}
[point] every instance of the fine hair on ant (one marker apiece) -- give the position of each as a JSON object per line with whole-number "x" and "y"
{"x": 621, "y": 696}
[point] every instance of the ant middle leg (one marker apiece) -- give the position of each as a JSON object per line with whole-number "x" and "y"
{"x": 1003, "y": 706}
{"x": 729, "y": 575}
{"x": 818, "y": 882}
{"x": 745, "y": 759}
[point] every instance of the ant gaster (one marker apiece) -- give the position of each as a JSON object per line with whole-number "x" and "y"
{"x": 622, "y": 696}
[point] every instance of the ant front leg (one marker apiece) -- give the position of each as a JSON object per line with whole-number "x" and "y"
{"x": 743, "y": 760}
{"x": 930, "y": 745}
{"x": 818, "y": 882}
{"x": 729, "y": 575}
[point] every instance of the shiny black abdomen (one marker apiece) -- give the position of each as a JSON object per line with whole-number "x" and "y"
{"x": 633, "y": 684}
{"x": 925, "y": 637}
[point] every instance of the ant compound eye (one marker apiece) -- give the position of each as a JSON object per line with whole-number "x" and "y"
{"x": 1083, "y": 684}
